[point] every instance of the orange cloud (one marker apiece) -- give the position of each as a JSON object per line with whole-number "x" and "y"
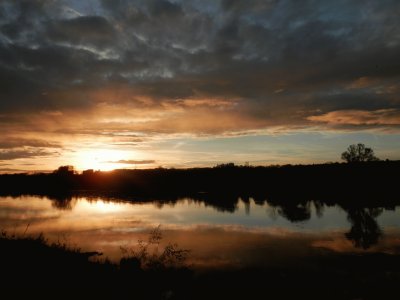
{"x": 134, "y": 162}
{"x": 359, "y": 117}
{"x": 362, "y": 82}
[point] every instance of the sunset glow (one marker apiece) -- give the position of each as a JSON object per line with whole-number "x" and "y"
{"x": 102, "y": 159}
{"x": 195, "y": 83}
{"x": 200, "y": 149}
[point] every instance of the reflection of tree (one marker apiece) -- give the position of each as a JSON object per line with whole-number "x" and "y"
{"x": 319, "y": 208}
{"x": 295, "y": 212}
{"x": 62, "y": 202}
{"x": 365, "y": 230}
{"x": 246, "y": 201}
{"x": 222, "y": 203}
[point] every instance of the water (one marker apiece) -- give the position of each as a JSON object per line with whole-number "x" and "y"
{"x": 241, "y": 234}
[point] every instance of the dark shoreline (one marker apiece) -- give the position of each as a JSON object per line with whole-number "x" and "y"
{"x": 367, "y": 183}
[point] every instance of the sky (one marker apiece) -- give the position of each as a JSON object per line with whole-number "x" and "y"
{"x": 104, "y": 84}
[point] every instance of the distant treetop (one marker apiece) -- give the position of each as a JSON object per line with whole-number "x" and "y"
{"x": 359, "y": 153}
{"x": 65, "y": 170}
{"x": 227, "y": 165}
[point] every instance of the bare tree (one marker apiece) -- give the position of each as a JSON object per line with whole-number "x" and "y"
{"x": 359, "y": 153}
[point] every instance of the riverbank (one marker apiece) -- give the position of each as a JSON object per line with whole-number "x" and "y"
{"x": 33, "y": 267}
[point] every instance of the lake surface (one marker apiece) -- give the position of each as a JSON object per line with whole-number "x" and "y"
{"x": 241, "y": 234}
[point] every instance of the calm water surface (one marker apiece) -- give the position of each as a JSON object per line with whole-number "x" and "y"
{"x": 247, "y": 234}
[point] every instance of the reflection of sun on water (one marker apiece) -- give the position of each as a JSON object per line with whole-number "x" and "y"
{"x": 102, "y": 159}
{"x": 99, "y": 206}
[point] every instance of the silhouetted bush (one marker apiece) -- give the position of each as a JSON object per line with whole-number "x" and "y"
{"x": 149, "y": 257}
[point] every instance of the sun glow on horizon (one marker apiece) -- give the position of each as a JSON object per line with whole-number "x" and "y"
{"x": 100, "y": 159}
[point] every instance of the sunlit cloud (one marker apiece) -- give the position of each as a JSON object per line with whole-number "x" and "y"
{"x": 25, "y": 153}
{"x": 359, "y": 117}
{"x": 134, "y": 162}
{"x": 12, "y": 142}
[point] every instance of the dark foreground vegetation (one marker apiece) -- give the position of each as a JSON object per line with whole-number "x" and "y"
{"x": 34, "y": 269}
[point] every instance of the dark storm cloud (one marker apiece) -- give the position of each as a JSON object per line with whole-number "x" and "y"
{"x": 89, "y": 30}
{"x": 282, "y": 62}
{"x": 164, "y": 9}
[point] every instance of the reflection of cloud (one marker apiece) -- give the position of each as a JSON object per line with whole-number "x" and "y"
{"x": 337, "y": 242}
{"x": 94, "y": 224}
{"x": 17, "y": 213}
{"x": 359, "y": 117}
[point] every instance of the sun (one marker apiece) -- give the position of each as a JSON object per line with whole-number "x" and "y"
{"x": 100, "y": 159}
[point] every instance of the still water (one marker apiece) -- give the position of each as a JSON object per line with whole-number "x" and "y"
{"x": 246, "y": 234}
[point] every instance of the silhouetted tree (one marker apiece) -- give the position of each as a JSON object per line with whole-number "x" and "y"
{"x": 358, "y": 153}
{"x": 65, "y": 170}
{"x": 88, "y": 172}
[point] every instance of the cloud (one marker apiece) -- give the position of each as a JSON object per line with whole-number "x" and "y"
{"x": 359, "y": 117}
{"x": 11, "y": 142}
{"x": 10, "y": 170}
{"x": 198, "y": 67}
{"x": 25, "y": 153}
{"x": 362, "y": 82}
{"x": 134, "y": 162}
{"x": 85, "y": 30}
